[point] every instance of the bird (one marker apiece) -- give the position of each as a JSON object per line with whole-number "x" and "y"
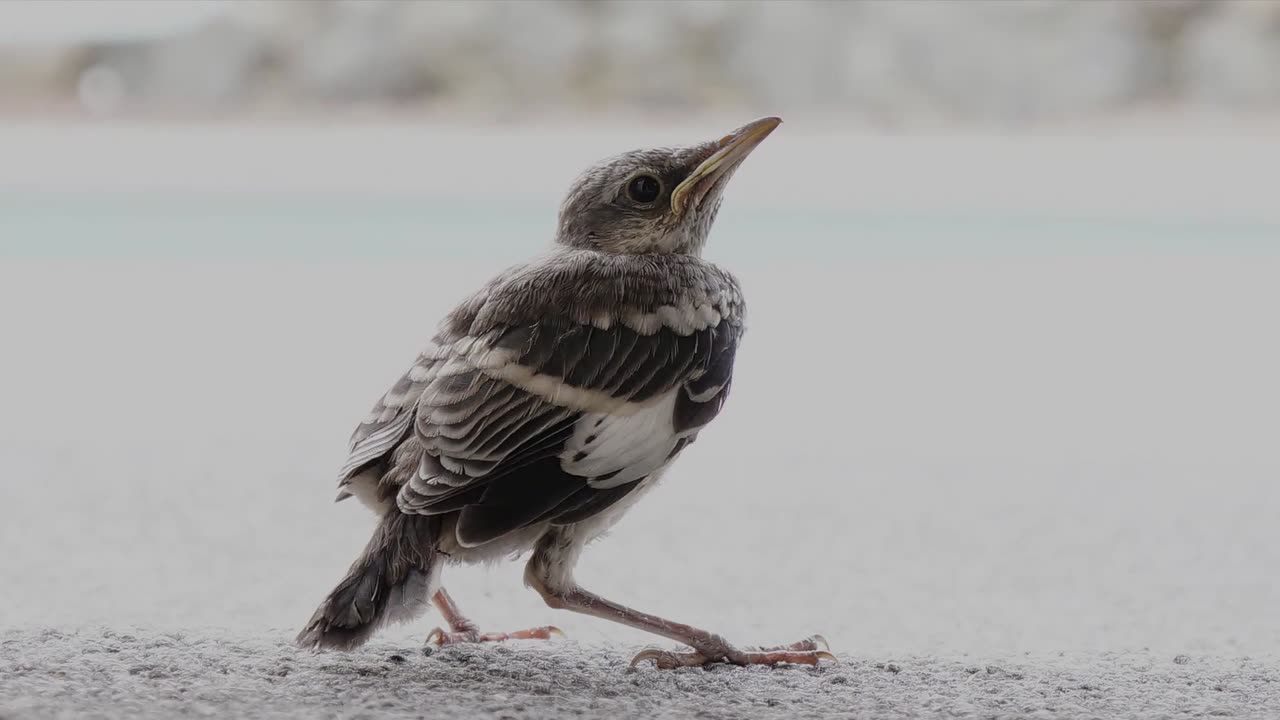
{"x": 550, "y": 401}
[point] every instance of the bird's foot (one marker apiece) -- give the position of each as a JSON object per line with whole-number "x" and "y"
{"x": 810, "y": 651}
{"x": 441, "y": 637}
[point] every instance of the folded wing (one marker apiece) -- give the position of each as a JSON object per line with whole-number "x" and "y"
{"x": 544, "y": 414}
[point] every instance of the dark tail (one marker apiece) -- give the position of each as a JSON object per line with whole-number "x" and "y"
{"x": 388, "y": 583}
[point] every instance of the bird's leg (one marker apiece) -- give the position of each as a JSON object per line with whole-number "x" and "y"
{"x": 550, "y": 573}
{"x": 462, "y": 630}
{"x": 707, "y": 647}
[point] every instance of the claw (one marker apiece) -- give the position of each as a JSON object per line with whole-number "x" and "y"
{"x": 553, "y": 630}
{"x": 653, "y": 654}
{"x": 820, "y": 641}
{"x": 824, "y": 655}
{"x": 436, "y": 635}
{"x": 666, "y": 660}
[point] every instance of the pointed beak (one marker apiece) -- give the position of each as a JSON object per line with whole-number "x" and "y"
{"x": 727, "y": 153}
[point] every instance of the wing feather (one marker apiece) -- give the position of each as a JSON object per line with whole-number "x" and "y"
{"x": 524, "y": 411}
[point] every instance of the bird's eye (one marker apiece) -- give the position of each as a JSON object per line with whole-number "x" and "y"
{"x": 644, "y": 189}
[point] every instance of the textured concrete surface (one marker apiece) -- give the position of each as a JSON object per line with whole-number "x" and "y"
{"x": 141, "y": 674}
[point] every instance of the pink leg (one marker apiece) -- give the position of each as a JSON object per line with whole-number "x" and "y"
{"x": 463, "y": 630}
{"x": 548, "y": 573}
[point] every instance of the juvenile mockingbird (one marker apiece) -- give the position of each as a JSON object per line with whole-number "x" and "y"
{"x": 549, "y": 402}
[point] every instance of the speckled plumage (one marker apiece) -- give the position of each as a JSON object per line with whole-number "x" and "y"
{"x": 553, "y": 397}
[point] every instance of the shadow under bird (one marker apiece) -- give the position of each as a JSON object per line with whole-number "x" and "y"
{"x": 552, "y": 400}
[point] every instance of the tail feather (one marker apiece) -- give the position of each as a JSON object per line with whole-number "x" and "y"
{"x": 389, "y": 582}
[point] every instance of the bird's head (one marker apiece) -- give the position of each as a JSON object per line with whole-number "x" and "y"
{"x": 656, "y": 201}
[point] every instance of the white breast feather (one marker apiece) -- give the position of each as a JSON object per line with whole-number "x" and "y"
{"x": 633, "y": 445}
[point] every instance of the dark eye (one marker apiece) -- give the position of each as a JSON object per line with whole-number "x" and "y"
{"x": 644, "y": 189}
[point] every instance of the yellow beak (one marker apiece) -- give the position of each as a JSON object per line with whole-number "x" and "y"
{"x": 730, "y": 151}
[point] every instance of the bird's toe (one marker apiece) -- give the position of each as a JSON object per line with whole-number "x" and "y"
{"x": 809, "y": 651}
{"x": 440, "y": 637}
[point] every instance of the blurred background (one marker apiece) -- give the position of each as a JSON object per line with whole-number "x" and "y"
{"x": 1013, "y": 267}
{"x": 884, "y": 63}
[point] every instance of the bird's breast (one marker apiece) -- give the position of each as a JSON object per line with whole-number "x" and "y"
{"x": 614, "y": 449}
